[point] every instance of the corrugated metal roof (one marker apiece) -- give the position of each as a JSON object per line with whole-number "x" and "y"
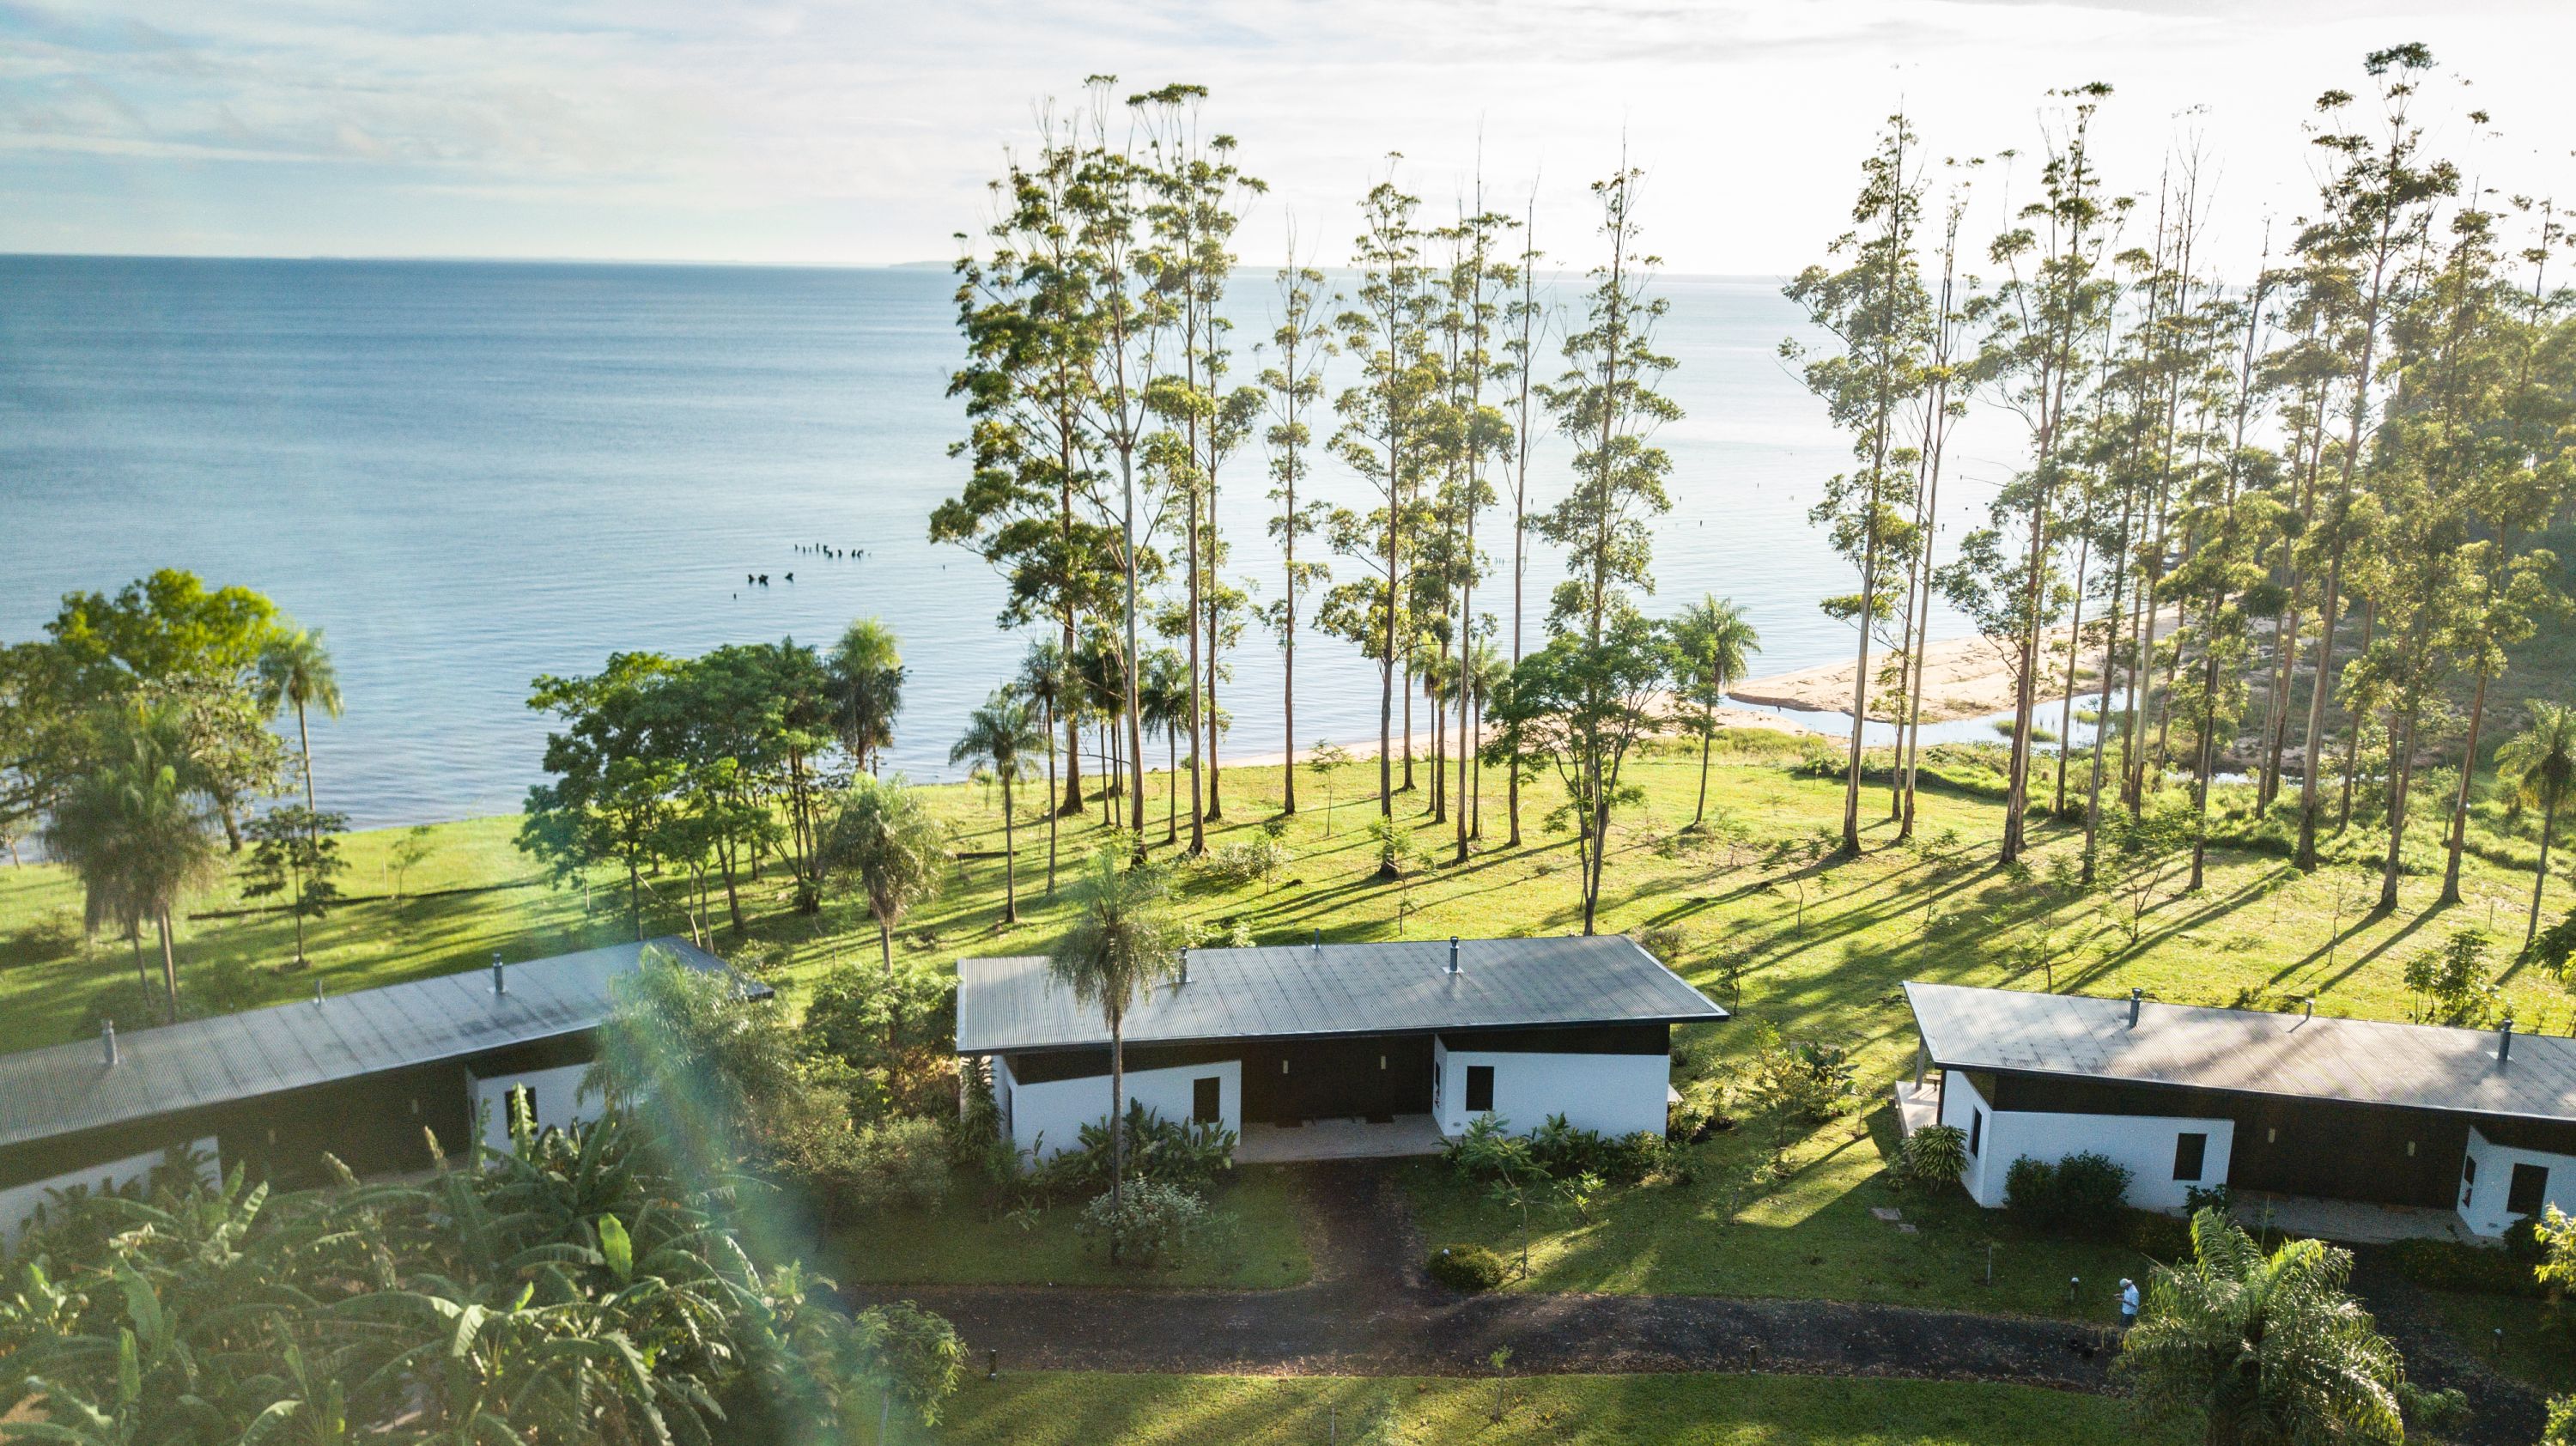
{"x": 2365, "y": 1061}
{"x": 68, "y": 1088}
{"x": 1013, "y": 1003}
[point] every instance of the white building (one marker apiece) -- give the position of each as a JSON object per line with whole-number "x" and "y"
{"x": 1344, "y": 1048}
{"x": 2474, "y": 1121}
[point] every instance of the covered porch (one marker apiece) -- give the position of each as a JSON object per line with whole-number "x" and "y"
{"x": 1346, "y": 1138}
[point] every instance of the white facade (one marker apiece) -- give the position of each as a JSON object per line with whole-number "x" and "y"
{"x": 1049, "y": 1115}
{"x": 554, "y": 1099}
{"x": 2146, "y": 1144}
{"x": 2486, "y": 1183}
{"x": 1616, "y": 1094}
{"x": 17, "y": 1202}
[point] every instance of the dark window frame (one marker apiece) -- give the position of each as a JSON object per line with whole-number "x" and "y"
{"x": 2191, "y": 1147}
{"x": 1480, "y": 1089}
{"x": 2527, "y": 1191}
{"x": 1207, "y": 1100}
{"x": 1976, "y": 1129}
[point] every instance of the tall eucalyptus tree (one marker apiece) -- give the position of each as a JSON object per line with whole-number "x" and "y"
{"x": 1525, "y": 325}
{"x": 1294, "y": 383}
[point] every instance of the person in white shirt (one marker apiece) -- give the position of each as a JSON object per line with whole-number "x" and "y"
{"x": 2128, "y": 1303}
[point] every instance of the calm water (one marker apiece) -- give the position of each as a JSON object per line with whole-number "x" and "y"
{"x": 472, "y": 474}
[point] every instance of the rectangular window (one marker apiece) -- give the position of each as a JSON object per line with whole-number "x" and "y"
{"x": 2190, "y": 1153}
{"x": 1480, "y": 1088}
{"x": 2530, "y": 1187}
{"x": 1205, "y": 1106}
{"x": 1976, "y": 1129}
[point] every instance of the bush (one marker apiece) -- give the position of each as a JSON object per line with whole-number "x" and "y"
{"x": 1701, "y": 1113}
{"x": 1488, "y": 1151}
{"x": 1564, "y": 1152}
{"x": 1667, "y": 942}
{"x": 2451, "y": 1265}
{"x": 1253, "y": 860}
{"x": 1933, "y": 1156}
{"x": 2433, "y": 1413}
{"x": 1155, "y": 1223}
{"x": 2196, "y": 1198}
{"x": 1465, "y": 1267}
{"x": 1164, "y": 1152}
{"x": 900, "y": 1165}
{"x": 1803, "y": 1080}
{"x": 2082, "y": 1194}
{"x": 2157, "y": 1235}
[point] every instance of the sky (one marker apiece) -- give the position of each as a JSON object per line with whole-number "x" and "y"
{"x": 781, "y": 132}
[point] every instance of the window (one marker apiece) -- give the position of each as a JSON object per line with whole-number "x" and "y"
{"x": 1480, "y": 1088}
{"x": 2529, "y": 1189}
{"x": 2468, "y": 1181}
{"x": 1205, "y": 1106}
{"x": 1976, "y": 1129}
{"x": 2190, "y": 1153}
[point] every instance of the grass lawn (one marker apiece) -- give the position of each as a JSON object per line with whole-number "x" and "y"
{"x": 1818, "y": 948}
{"x": 1046, "y": 1409}
{"x": 1263, "y": 1250}
{"x": 2535, "y": 1350}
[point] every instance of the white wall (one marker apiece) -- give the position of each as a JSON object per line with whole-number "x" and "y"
{"x": 2143, "y": 1143}
{"x": 558, "y": 1101}
{"x": 1616, "y": 1094}
{"x": 2482, "y": 1203}
{"x": 17, "y": 1202}
{"x": 1050, "y": 1115}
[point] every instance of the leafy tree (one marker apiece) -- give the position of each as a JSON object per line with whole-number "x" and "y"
{"x": 718, "y": 1067}
{"x": 1002, "y": 735}
{"x": 609, "y": 801}
{"x": 867, "y": 683}
{"x": 295, "y": 672}
{"x": 2538, "y": 764}
{"x": 1166, "y": 692}
{"x": 1877, "y": 311}
{"x": 409, "y": 852}
{"x": 909, "y": 1356}
{"x": 2253, "y": 1347}
{"x": 894, "y": 1032}
{"x": 1321, "y": 760}
{"x": 1581, "y": 707}
{"x": 296, "y": 852}
{"x": 1712, "y": 644}
{"x": 2144, "y": 846}
{"x": 1046, "y": 680}
{"x": 1294, "y": 383}
{"x": 889, "y": 840}
{"x": 133, "y": 830}
{"x": 1124, "y": 941}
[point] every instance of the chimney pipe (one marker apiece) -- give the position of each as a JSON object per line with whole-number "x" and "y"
{"x": 1453, "y": 953}
{"x": 500, "y": 976}
{"x": 2312, "y": 1006}
{"x": 2504, "y": 1043}
{"x": 107, "y": 1041}
{"x": 2137, "y": 1001}
{"x": 1185, "y": 966}
{"x": 1319, "y": 941}
{"x": 317, "y": 992}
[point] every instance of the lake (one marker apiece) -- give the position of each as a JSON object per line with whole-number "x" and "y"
{"x": 470, "y": 474}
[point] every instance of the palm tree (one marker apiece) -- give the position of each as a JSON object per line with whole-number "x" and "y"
{"x": 295, "y": 672}
{"x": 867, "y": 687}
{"x": 887, "y": 837}
{"x": 2259, "y": 1348}
{"x": 1163, "y": 699}
{"x": 1124, "y": 941}
{"x": 2538, "y": 764}
{"x": 1046, "y": 682}
{"x": 134, "y": 831}
{"x": 1712, "y": 643}
{"x": 1002, "y": 734}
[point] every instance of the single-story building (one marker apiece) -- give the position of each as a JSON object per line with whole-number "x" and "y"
{"x": 2480, "y": 1122}
{"x": 358, "y": 1075}
{"x": 1422, "y": 1036}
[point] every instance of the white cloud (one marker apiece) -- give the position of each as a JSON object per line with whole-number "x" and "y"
{"x": 863, "y": 132}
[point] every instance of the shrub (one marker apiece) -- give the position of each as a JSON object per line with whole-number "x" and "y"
{"x": 1166, "y": 1152}
{"x": 2196, "y": 1198}
{"x": 2155, "y": 1234}
{"x": 1803, "y": 1080}
{"x": 900, "y": 1165}
{"x": 2081, "y": 1194}
{"x": 1255, "y": 860}
{"x": 1155, "y": 1223}
{"x": 1933, "y": 1156}
{"x": 1564, "y": 1152}
{"x": 2451, "y": 1265}
{"x": 1465, "y": 1267}
{"x": 1667, "y": 942}
{"x": 2432, "y": 1413}
{"x": 1701, "y": 1113}
{"x": 1488, "y": 1151}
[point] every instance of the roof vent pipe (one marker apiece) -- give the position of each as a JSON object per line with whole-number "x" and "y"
{"x": 1453, "y": 953}
{"x": 2504, "y": 1043}
{"x": 2137, "y": 1001}
{"x": 2312, "y": 1006}
{"x": 107, "y": 1041}
{"x": 1319, "y": 941}
{"x": 500, "y": 976}
{"x": 1185, "y": 967}
{"x": 317, "y": 991}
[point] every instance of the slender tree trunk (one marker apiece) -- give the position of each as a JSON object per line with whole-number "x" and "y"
{"x": 1117, "y": 1131}
{"x": 143, "y": 977}
{"x": 1172, "y": 784}
{"x": 169, "y": 968}
{"x": 2208, "y": 743}
{"x": 1288, "y": 668}
{"x": 2540, "y": 880}
{"x": 2460, "y": 803}
{"x": 2319, "y": 687}
{"x": 1053, "y": 813}
{"x": 2074, "y": 659}
{"x": 1860, "y": 669}
{"x": 2352, "y": 746}
{"x": 2401, "y": 775}
{"x": 1010, "y": 854}
{"x": 1699, "y": 813}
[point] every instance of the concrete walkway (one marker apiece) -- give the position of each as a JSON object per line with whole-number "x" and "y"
{"x": 1338, "y": 1140}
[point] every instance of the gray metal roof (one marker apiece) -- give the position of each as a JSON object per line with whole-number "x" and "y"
{"x": 2364, "y": 1061}
{"x": 67, "y": 1088}
{"x": 1389, "y": 988}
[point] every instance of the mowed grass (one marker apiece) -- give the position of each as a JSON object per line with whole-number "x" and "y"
{"x": 1074, "y": 1409}
{"x": 1819, "y": 949}
{"x": 1259, "y": 1247}
{"x": 2533, "y": 1347}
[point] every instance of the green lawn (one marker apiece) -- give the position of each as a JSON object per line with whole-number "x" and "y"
{"x": 2535, "y": 1349}
{"x": 1050, "y": 1409}
{"x": 1261, "y": 1249}
{"x": 1821, "y": 949}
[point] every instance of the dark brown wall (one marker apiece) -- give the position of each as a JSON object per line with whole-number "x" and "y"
{"x": 1336, "y": 1078}
{"x": 2288, "y": 1146}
